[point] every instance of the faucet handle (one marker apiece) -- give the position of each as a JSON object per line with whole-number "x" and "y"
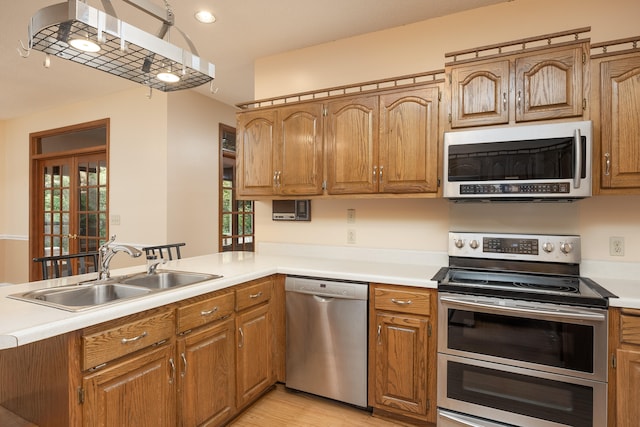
{"x": 107, "y": 243}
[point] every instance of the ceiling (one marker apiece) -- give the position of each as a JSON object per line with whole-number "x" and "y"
{"x": 244, "y": 31}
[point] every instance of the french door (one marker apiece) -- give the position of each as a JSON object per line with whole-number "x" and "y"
{"x": 71, "y": 205}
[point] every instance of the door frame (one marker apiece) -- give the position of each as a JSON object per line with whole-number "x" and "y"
{"x": 34, "y": 157}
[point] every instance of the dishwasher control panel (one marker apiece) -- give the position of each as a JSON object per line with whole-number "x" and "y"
{"x": 327, "y": 287}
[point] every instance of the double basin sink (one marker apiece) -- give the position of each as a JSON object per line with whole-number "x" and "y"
{"x": 91, "y": 294}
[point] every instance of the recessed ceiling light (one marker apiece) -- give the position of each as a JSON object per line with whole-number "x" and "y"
{"x": 205, "y": 17}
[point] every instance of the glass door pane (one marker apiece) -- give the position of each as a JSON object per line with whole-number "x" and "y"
{"x": 56, "y": 193}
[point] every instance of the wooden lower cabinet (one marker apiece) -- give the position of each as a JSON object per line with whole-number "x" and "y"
{"x": 402, "y": 353}
{"x": 401, "y": 363}
{"x": 196, "y": 362}
{"x": 253, "y": 354}
{"x": 139, "y": 391}
{"x": 624, "y": 369}
{"x": 206, "y": 379}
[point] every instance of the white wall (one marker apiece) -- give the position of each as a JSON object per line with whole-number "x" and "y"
{"x": 423, "y": 224}
{"x": 194, "y": 170}
{"x": 168, "y": 138}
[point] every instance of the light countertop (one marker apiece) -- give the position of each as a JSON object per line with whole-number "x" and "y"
{"x": 24, "y": 322}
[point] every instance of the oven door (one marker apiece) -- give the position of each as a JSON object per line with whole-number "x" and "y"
{"x": 517, "y": 396}
{"x": 554, "y": 338}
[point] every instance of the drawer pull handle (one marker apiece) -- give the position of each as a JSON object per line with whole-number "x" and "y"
{"x": 209, "y": 312}
{"x": 258, "y": 295}
{"x": 128, "y": 340}
{"x": 401, "y": 302}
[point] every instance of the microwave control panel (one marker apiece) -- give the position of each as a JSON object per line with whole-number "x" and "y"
{"x": 546, "y": 188}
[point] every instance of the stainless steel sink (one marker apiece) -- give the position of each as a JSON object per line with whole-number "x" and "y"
{"x": 81, "y": 297}
{"x": 86, "y": 295}
{"x": 166, "y": 279}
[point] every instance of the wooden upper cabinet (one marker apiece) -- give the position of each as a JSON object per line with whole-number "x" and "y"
{"x": 408, "y": 144}
{"x": 519, "y": 81}
{"x": 479, "y": 94}
{"x": 280, "y": 151}
{"x": 385, "y": 143}
{"x": 549, "y": 85}
{"x": 617, "y": 122}
{"x": 352, "y": 139}
{"x": 255, "y": 144}
{"x": 299, "y": 153}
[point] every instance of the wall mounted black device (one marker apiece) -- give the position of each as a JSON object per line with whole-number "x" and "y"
{"x": 291, "y": 210}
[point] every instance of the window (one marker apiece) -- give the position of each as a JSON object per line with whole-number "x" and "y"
{"x": 236, "y": 216}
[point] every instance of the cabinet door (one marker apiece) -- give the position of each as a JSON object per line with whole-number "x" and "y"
{"x": 207, "y": 375}
{"x": 352, "y": 143}
{"x": 408, "y": 147}
{"x": 480, "y": 94}
{"x": 300, "y": 166}
{"x": 400, "y": 371}
{"x": 137, "y": 392}
{"x": 255, "y": 143}
{"x": 549, "y": 85}
{"x": 620, "y": 123}
{"x": 628, "y": 388}
{"x": 253, "y": 353}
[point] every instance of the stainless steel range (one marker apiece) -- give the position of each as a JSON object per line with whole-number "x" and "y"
{"x": 522, "y": 338}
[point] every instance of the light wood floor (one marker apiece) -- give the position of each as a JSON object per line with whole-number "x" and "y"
{"x": 283, "y": 408}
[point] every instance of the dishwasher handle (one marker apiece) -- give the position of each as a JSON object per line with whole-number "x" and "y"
{"x": 324, "y": 288}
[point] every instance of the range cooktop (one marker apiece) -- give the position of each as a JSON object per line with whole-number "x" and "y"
{"x": 529, "y": 267}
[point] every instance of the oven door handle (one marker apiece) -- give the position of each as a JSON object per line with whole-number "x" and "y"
{"x": 460, "y": 420}
{"x": 561, "y": 313}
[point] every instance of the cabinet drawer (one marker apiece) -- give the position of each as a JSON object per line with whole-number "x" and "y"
{"x": 630, "y": 326}
{"x": 206, "y": 311}
{"x": 105, "y": 345}
{"x": 402, "y": 300}
{"x": 253, "y": 295}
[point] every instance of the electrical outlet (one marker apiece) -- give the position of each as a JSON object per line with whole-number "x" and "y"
{"x": 351, "y": 216}
{"x": 351, "y": 236}
{"x": 616, "y": 246}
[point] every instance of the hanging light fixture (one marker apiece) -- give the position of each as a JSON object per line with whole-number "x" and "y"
{"x": 69, "y": 30}
{"x": 168, "y": 76}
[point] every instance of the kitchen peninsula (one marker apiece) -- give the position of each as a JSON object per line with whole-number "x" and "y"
{"x": 27, "y": 326}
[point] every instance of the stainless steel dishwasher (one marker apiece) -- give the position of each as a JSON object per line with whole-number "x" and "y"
{"x": 327, "y": 338}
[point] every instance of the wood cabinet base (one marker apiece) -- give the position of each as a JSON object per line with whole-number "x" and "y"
{"x": 402, "y": 419}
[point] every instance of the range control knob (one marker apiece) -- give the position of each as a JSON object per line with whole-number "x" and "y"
{"x": 566, "y": 247}
{"x": 473, "y": 244}
{"x": 459, "y": 243}
{"x": 548, "y": 247}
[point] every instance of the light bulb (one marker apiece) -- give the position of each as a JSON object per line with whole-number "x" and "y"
{"x": 168, "y": 77}
{"x": 85, "y": 45}
{"x": 205, "y": 17}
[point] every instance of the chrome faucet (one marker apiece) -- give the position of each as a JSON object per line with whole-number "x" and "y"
{"x": 153, "y": 262}
{"x": 106, "y": 252}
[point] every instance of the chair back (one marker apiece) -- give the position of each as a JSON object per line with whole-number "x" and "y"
{"x": 68, "y": 265}
{"x": 172, "y": 251}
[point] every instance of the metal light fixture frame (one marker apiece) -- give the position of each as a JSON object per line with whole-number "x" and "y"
{"x": 126, "y": 51}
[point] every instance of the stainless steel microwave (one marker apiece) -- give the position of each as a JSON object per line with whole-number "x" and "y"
{"x": 532, "y": 162}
